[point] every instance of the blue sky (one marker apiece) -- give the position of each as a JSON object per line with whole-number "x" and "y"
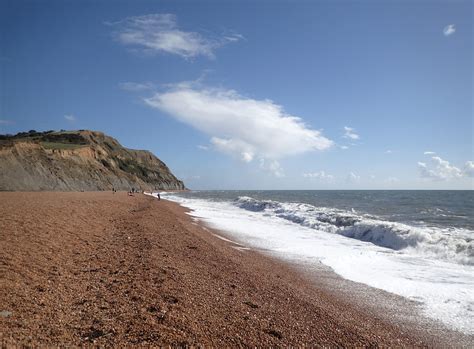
{"x": 254, "y": 95}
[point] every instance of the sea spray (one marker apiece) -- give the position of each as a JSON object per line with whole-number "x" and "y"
{"x": 450, "y": 244}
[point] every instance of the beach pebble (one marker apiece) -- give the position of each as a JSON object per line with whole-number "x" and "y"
{"x": 5, "y": 313}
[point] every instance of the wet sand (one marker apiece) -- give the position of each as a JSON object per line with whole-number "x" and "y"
{"x": 112, "y": 270}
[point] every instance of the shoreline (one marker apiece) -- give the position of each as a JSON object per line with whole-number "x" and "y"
{"x": 109, "y": 269}
{"x": 403, "y": 313}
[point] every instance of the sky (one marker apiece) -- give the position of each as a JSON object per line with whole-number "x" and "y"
{"x": 254, "y": 94}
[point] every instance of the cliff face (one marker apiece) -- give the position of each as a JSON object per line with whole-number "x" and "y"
{"x": 78, "y": 160}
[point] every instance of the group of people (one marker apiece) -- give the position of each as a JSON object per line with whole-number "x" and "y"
{"x": 133, "y": 190}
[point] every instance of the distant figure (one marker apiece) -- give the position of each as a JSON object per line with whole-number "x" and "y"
{"x": 159, "y": 198}
{"x": 113, "y": 190}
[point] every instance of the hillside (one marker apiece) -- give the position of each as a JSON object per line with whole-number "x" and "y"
{"x": 78, "y": 160}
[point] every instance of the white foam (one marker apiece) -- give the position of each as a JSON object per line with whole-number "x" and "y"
{"x": 454, "y": 245}
{"x": 227, "y": 240}
{"x": 445, "y": 289}
{"x": 240, "y": 249}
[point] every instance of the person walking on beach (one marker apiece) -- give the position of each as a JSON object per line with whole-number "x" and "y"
{"x": 158, "y": 196}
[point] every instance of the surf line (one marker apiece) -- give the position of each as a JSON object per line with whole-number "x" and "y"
{"x": 239, "y": 247}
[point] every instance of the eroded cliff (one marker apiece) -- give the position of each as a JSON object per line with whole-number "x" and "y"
{"x": 78, "y": 160}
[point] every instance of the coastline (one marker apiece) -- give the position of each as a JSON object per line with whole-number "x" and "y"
{"x": 117, "y": 270}
{"x": 405, "y": 314}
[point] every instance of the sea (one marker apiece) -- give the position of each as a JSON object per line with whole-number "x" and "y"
{"x": 416, "y": 244}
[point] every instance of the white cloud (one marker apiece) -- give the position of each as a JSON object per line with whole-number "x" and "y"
{"x": 468, "y": 170}
{"x": 137, "y": 86}
{"x": 388, "y": 152}
{"x": 449, "y": 30}
{"x": 233, "y": 147}
{"x": 240, "y": 126}
{"x": 160, "y": 33}
{"x": 203, "y": 147}
{"x": 429, "y": 153}
{"x": 439, "y": 170}
{"x": 5, "y": 122}
{"x": 344, "y": 147}
{"x": 321, "y": 176}
{"x": 70, "y": 117}
{"x": 352, "y": 178}
{"x": 425, "y": 172}
{"x": 350, "y": 133}
{"x": 273, "y": 167}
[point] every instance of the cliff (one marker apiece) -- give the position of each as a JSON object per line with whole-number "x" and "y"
{"x": 78, "y": 160}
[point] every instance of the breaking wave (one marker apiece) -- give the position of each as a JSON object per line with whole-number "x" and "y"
{"x": 453, "y": 245}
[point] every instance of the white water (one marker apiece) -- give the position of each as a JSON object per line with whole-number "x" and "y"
{"x": 444, "y": 289}
{"x": 449, "y": 244}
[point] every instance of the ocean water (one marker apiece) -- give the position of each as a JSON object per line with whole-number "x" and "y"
{"x": 417, "y": 244}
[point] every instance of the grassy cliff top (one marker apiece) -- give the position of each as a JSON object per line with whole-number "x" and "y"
{"x": 61, "y": 139}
